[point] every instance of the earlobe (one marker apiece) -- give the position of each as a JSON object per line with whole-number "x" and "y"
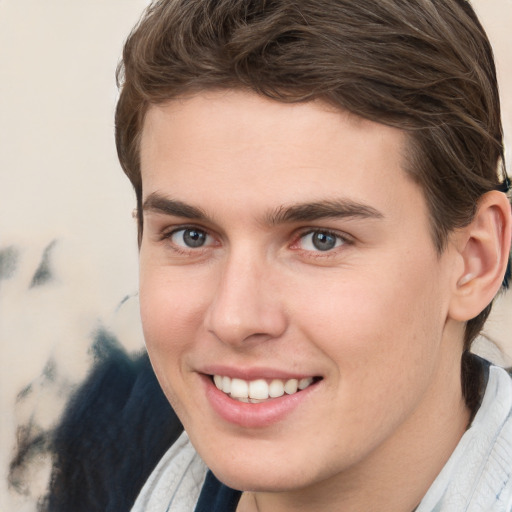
{"x": 484, "y": 250}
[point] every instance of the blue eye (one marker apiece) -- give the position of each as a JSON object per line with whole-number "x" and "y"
{"x": 190, "y": 238}
{"x": 321, "y": 241}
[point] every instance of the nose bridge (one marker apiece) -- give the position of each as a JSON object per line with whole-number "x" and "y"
{"x": 245, "y": 306}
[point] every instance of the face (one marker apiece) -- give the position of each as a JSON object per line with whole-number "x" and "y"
{"x": 293, "y": 304}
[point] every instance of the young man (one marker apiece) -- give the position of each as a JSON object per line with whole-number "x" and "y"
{"x": 323, "y": 227}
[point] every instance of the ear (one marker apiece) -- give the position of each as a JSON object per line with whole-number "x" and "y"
{"x": 484, "y": 248}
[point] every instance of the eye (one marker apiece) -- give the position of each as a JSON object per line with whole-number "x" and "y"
{"x": 190, "y": 238}
{"x": 321, "y": 241}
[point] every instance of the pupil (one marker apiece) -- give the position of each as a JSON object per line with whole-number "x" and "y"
{"x": 194, "y": 238}
{"x": 324, "y": 241}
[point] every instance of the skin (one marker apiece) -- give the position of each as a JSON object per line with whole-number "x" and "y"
{"x": 370, "y": 317}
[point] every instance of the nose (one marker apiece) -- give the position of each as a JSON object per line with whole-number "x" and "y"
{"x": 246, "y": 306}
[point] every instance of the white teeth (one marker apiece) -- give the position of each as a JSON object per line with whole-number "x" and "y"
{"x": 226, "y": 385}
{"x": 291, "y": 386}
{"x": 218, "y": 381}
{"x": 276, "y": 388}
{"x": 239, "y": 388}
{"x": 259, "y": 390}
{"x": 304, "y": 383}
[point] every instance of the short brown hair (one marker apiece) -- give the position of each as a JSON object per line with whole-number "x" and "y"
{"x": 424, "y": 66}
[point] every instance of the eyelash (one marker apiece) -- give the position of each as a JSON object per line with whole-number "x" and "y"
{"x": 340, "y": 241}
{"x": 182, "y": 249}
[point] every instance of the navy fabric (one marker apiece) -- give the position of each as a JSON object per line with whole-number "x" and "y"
{"x": 217, "y": 497}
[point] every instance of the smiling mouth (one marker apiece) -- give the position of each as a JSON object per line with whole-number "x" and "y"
{"x": 261, "y": 390}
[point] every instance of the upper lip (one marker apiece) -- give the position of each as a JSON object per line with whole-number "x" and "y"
{"x": 253, "y": 373}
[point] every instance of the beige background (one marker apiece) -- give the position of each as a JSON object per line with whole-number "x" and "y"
{"x": 60, "y": 181}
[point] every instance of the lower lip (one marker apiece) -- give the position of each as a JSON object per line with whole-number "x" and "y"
{"x": 254, "y": 415}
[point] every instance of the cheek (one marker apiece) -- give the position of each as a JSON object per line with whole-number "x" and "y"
{"x": 171, "y": 308}
{"x": 168, "y": 313}
{"x": 376, "y": 322}
{"x": 382, "y": 338}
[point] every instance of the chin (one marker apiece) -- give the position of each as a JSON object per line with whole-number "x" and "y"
{"x": 244, "y": 480}
{"x": 258, "y": 476}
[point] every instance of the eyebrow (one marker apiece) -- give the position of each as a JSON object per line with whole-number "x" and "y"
{"x": 160, "y": 204}
{"x": 335, "y": 209}
{"x": 301, "y": 212}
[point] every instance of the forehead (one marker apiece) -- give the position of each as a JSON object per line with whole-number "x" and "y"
{"x": 232, "y": 146}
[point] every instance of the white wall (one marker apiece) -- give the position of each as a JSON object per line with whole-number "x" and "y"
{"x": 60, "y": 180}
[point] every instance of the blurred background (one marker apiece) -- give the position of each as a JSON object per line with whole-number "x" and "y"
{"x": 68, "y": 253}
